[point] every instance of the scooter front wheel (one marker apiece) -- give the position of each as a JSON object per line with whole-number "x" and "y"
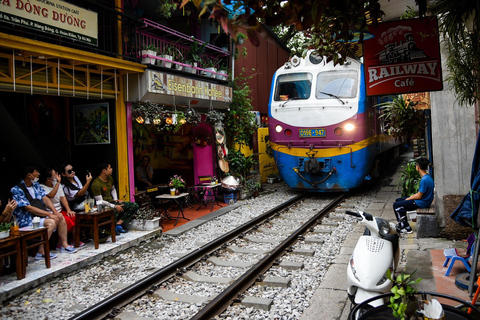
{"x": 360, "y": 312}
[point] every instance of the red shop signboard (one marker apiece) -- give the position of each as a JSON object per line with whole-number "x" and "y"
{"x": 403, "y": 57}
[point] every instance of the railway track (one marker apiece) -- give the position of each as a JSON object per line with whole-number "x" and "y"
{"x": 277, "y": 221}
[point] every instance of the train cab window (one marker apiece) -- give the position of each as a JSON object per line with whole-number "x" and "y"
{"x": 293, "y": 86}
{"x": 339, "y": 84}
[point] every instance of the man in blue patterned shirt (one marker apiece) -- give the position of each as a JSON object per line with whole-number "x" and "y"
{"x": 25, "y": 211}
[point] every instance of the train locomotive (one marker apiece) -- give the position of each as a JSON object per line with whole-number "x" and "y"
{"x": 325, "y": 133}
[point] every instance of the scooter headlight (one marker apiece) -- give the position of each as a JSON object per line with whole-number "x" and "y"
{"x": 384, "y": 278}
{"x": 352, "y": 266}
{"x": 382, "y": 281}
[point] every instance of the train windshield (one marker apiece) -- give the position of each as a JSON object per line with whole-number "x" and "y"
{"x": 338, "y": 84}
{"x": 293, "y": 86}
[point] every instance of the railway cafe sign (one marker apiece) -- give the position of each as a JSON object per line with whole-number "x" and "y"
{"x": 54, "y": 17}
{"x": 403, "y": 57}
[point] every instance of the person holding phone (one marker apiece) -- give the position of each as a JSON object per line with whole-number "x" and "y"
{"x": 74, "y": 190}
{"x": 144, "y": 173}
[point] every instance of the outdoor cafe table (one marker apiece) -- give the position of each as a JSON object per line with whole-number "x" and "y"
{"x": 95, "y": 220}
{"x": 12, "y": 246}
{"x": 179, "y": 200}
{"x": 203, "y": 190}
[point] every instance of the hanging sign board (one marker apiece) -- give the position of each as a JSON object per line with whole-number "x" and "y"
{"x": 55, "y": 17}
{"x": 169, "y": 84}
{"x": 403, "y": 57}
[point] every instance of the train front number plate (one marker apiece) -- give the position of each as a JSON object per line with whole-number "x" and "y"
{"x": 312, "y": 133}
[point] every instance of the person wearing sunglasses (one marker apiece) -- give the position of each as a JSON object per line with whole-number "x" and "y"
{"x": 74, "y": 190}
{"x": 50, "y": 182}
{"x": 103, "y": 189}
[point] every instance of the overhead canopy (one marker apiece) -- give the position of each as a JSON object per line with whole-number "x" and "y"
{"x": 28, "y": 65}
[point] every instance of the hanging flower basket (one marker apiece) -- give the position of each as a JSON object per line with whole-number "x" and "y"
{"x": 192, "y": 117}
{"x": 214, "y": 117}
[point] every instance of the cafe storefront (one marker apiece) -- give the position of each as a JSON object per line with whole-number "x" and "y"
{"x": 173, "y": 119}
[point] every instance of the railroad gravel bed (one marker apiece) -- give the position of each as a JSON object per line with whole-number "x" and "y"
{"x": 68, "y": 294}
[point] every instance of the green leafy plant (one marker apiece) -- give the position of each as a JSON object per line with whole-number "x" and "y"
{"x": 165, "y": 8}
{"x": 252, "y": 185}
{"x": 240, "y": 124}
{"x": 196, "y": 51}
{"x": 404, "y": 291}
{"x": 240, "y": 165}
{"x": 409, "y": 179}
{"x": 5, "y": 226}
{"x": 215, "y": 117}
{"x": 402, "y": 119}
{"x": 150, "y": 46}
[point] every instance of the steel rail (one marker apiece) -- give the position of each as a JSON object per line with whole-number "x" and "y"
{"x": 152, "y": 282}
{"x": 227, "y": 297}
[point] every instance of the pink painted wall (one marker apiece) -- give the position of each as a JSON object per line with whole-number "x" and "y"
{"x": 131, "y": 167}
{"x": 203, "y": 157}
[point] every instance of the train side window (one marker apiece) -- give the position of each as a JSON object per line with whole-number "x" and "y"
{"x": 293, "y": 86}
{"x": 342, "y": 84}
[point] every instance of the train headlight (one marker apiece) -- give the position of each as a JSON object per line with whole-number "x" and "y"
{"x": 278, "y": 128}
{"x": 349, "y": 127}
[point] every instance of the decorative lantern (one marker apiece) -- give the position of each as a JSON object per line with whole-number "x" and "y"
{"x": 169, "y": 121}
{"x": 140, "y": 120}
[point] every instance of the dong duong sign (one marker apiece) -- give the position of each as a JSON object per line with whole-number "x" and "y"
{"x": 58, "y": 18}
{"x": 403, "y": 57}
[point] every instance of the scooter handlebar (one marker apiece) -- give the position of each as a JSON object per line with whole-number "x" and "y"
{"x": 355, "y": 214}
{"x": 365, "y": 215}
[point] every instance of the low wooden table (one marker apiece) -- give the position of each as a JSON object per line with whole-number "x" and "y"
{"x": 179, "y": 200}
{"x": 27, "y": 235}
{"x": 95, "y": 220}
{"x": 12, "y": 245}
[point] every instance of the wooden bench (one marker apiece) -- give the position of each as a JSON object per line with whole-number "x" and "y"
{"x": 412, "y": 215}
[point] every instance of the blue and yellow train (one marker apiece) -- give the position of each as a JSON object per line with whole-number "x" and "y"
{"x": 325, "y": 133}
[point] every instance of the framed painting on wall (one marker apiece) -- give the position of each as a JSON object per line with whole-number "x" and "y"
{"x": 91, "y": 123}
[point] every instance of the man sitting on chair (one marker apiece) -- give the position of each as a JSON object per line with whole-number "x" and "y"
{"x": 104, "y": 189}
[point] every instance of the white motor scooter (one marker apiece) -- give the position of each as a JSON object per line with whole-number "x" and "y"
{"x": 376, "y": 252}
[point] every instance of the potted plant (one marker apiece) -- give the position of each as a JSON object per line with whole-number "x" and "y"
{"x": 253, "y": 187}
{"x": 240, "y": 38}
{"x": 176, "y": 182}
{"x": 271, "y": 178}
{"x": 5, "y": 229}
{"x": 210, "y": 66}
{"x": 150, "y": 50}
{"x": 167, "y": 53}
{"x": 146, "y": 218}
{"x": 214, "y": 117}
{"x": 192, "y": 117}
{"x": 222, "y": 73}
{"x": 403, "y": 302}
{"x": 195, "y": 54}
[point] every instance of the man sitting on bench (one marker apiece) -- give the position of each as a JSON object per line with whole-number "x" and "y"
{"x": 422, "y": 199}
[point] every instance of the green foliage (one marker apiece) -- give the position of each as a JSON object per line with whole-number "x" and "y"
{"x": 215, "y": 117}
{"x": 402, "y": 118}
{"x": 240, "y": 124}
{"x": 196, "y": 51}
{"x": 404, "y": 291}
{"x": 409, "y": 13}
{"x": 239, "y": 164}
{"x": 463, "y": 46}
{"x": 150, "y": 47}
{"x": 291, "y": 37}
{"x": 166, "y": 8}
{"x": 409, "y": 179}
{"x": 5, "y": 226}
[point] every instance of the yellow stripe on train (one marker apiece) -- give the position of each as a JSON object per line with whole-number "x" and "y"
{"x": 330, "y": 151}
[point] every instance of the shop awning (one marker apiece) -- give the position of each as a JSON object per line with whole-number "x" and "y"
{"x": 42, "y": 67}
